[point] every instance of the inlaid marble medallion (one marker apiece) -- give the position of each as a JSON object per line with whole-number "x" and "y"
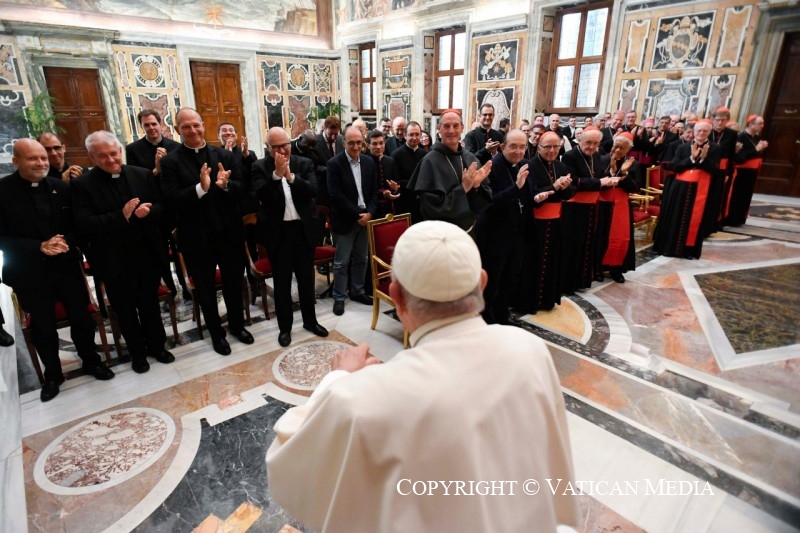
{"x": 104, "y": 451}
{"x": 303, "y": 366}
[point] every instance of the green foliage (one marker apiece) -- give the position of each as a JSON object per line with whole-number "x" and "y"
{"x": 38, "y": 116}
{"x": 331, "y": 108}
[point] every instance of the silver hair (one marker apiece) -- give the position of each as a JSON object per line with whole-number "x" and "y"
{"x": 101, "y": 137}
{"x": 427, "y": 310}
{"x": 621, "y": 138}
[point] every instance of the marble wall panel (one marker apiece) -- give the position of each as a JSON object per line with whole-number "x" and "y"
{"x": 397, "y": 105}
{"x": 671, "y": 97}
{"x": 12, "y": 104}
{"x": 396, "y": 71}
{"x": 353, "y": 87}
{"x": 734, "y": 33}
{"x": 637, "y": 45}
{"x": 682, "y": 41}
{"x": 299, "y": 107}
{"x": 298, "y": 77}
{"x": 628, "y": 95}
{"x": 501, "y": 98}
{"x": 720, "y": 91}
{"x": 322, "y": 77}
{"x": 15, "y": 93}
{"x": 9, "y": 71}
{"x": 427, "y": 65}
{"x": 148, "y": 78}
{"x": 271, "y": 75}
{"x": 542, "y": 75}
{"x": 273, "y": 110}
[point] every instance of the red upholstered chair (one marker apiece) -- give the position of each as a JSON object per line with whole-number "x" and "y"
{"x": 61, "y": 322}
{"x": 218, "y": 283}
{"x": 383, "y": 234}
{"x": 261, "y": 268}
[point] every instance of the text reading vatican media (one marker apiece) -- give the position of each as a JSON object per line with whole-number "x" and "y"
{"x": 561, "y": 487}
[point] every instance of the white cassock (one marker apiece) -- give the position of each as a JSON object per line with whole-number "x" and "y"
{"x": 469, "y": 402}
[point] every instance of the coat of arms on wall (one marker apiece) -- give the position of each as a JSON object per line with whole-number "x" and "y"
{"x": 148, "y": 71}
{"x": 397, "y": 72}
{"x": 682, "y": 42}
{"x": 497, "y": 61}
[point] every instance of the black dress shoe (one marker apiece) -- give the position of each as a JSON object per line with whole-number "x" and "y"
{"x": 140, "y": 366}
{"x": 284, "y": 338}
{"x": 618, "y": 277}
{"x": 243, "y": 336}
{"x": 165, "y": 357}
{"x": 599, "y": 277}
{"x": 6, "y": 339}
{"x": 362, "y": 299}
{"x": 338, "y": 307}
{"x": 99, "y": 371}
{"x": 221, "y": 346}
{"x": 50, "y": 389}
{"x": 316, "y": 329}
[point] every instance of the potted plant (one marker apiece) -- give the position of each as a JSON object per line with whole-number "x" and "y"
{"x": 38, "y": 116}
{"x": 331, "y": 108}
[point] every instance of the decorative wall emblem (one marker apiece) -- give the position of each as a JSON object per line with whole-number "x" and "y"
{"x": 502, "y": 100}
{"x": 498, "y": 61}
{"x": 397, "y": 105}
{"x": 299, "y": 107}
{"x": 637, "y": 45}
{"x": 397, "y": 72}
{"x": 298, "y": 77}
{"x": 148, "y": 71}
{"x": 274, "y": 110}
{"x": 628, "y": 94}
{"x": 682, "y": 42}
{"x": 322, "y": 77}
{"x": 272, "y": 74}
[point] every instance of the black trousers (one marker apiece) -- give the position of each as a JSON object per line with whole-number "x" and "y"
{"x": 202, "y": 265}
{"x": 293, "y": 254}
{"x": 133, "y": 294}
{"x": 63, "y": 282}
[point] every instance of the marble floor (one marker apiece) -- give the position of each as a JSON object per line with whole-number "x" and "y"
{"x": 680, "y": 385}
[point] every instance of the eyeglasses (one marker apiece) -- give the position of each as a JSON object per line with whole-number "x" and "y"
{"x": 549, "y": 147}
{"x": 56, "y": 148}
{"x": 281, "y": 146}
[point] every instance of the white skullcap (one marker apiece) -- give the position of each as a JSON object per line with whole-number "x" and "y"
{"x": 437, "y": 261}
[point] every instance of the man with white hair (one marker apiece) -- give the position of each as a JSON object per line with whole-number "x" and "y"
{"x": 688, "y": 207}
{"x": 358, "y": 442}
{"x": 117, "y": 210}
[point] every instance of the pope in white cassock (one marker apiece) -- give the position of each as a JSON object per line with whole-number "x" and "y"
{"x": 468, "y": 402}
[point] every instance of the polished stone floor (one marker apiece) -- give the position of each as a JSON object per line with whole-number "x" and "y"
{"x": 683, "y": 377}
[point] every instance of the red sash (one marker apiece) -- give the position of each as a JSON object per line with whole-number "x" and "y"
{"x": 723, "y": 164}
{"x": 619, "y": 234}
{"x": 547, "y": 211}
{"x": 750, "y": 164}
{"x": 585, "y": 197}
{"x": 703, "y": 181}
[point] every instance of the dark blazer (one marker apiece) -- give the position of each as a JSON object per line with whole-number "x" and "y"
{"x": 114, "y": 241}
{"x": 475, "y": 142}
{"x": 21, "y": 235}
{"x": 269, "y": 193}
{"x": 344, "y": 195}
{"x": 405, "y": 161}
{"x": 393, "y": 144}
{"x": 142, "y": 153}
{"x": 322, "y": 148}
{"x": 509, "y": 202}
{"x": 214, "y": 216}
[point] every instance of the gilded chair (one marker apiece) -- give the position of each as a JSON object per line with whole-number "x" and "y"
{"x": 261, "y": 268}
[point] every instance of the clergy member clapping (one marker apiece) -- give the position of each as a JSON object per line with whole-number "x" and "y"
{"x": 467, "y": 403}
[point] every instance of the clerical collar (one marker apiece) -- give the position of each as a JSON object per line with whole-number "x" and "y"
{"x": 433, "y": 325}
{"x": 157, "y": 143}
{"x": 197, "y": 150}
{"x": 114, "y": 176}
{"x": 34, "y": 184}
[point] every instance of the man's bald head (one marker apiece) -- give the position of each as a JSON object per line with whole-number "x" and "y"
{"x": 30, "y": 158}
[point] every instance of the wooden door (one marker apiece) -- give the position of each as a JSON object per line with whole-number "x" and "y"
{"x": 79, "y": 99}
{"x": 218, "y": 96}
{"x": 780, "y": 173}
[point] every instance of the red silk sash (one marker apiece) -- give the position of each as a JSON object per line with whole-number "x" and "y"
{"x": 750, "y": 164}
{"x": 703, "y": 181}
{"x": 547, "y": 211}
{"x": 619, "y": 234}
{"x": 723, "y": 164}
{"x": 585, "y": 197}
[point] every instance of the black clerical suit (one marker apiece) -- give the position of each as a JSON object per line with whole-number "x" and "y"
{"x": 475, "y": 142}
{"x": 142, "y": 153}
{"x": 29, "y": 216}
{"x": 128, "y": 255}
{"x": 210, "y": 229}
{"x": 325, "y": 151}
{"x": 289, "y": 241}
{"x": 405, "y": 161}
{"x": 387, "y": 171}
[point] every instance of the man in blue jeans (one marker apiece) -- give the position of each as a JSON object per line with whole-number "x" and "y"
{"x": 353, "y": 188}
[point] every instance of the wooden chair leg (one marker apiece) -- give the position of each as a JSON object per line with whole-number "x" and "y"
{"x": 376, "y": 307}
{"x": 115, "y": 333}
{"x": 263, "y": 283}
{"x": 101, "y": 328}
{"x": 173, "y": 316}
{"x": 246, "y": 300}
{"x": 196, "y": 312}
